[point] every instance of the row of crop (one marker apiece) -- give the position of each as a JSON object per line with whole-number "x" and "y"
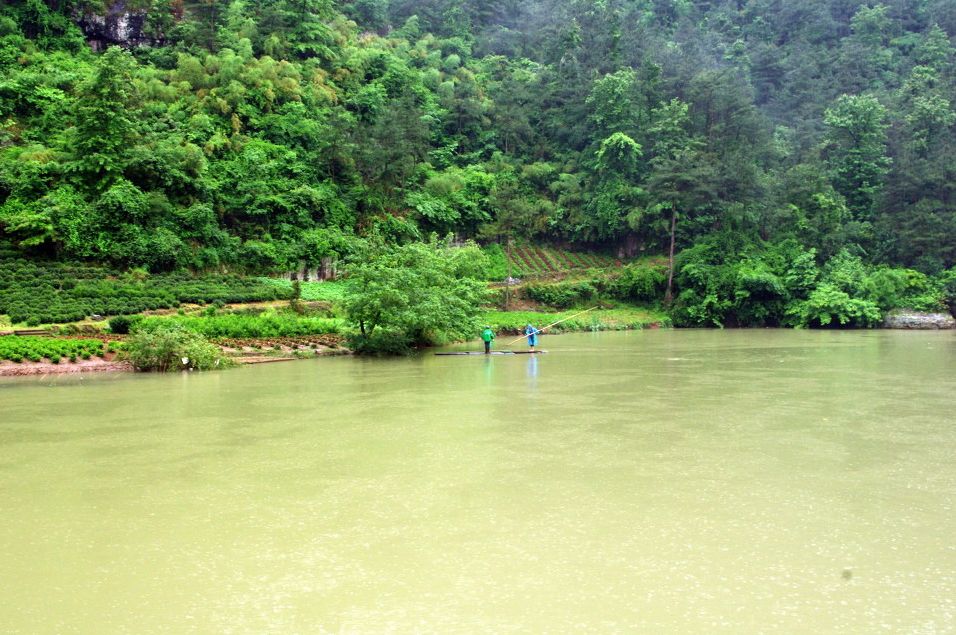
{"x": 533, "y": 260}
{"x": 245, "y": 326}
{"x": 529, "y": 262}
{"x": 44, "y": 293}
{"x": 311, "y": 291}
{"x": 35, "y": 349}
{"x": 295, "y": 342}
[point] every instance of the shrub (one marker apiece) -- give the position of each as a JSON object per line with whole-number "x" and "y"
{"x": 828, "y": 304}
{"x": 640, "y": 283}
{"x": 122, "y": 324}
{"x": 893, "y": 288}
{"x": 429, "y": 293}
{"x": 497, "y": 267}
{"x": 948, "y": 284}
{"x": 169, "y": 347}
{"x": 381, "y": 342}
{"x": 245, "y": 325}
{"x": 561, "y": 294}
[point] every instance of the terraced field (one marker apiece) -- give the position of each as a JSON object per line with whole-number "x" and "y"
{"x": 533, "y": 260}
{"x": 35, "y": 349}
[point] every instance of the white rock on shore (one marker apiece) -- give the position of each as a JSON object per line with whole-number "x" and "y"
{"x": 917, "y": 320}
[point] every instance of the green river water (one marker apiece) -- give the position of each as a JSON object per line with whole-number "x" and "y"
{"x": 659, "y": 481}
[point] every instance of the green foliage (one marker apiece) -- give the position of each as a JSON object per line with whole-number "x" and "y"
{"x": 562, "y": 294}
{"x": 857, "y": 135}
{"x": 947, "y": 283}
{"x": 619, "y": 319}
{"x": 781, "y": 284}
{"x": 828, "y": 305}
{"x": 122, "y": 324}
{"x": 247, "y": 326}
{"x": 20, "y": 348}
{"x": 168, "y": 346}
{"x": 60, "y": 292}
{"x": 258, "y": 136}
{"x": 417, "y": 294}
{"x": 497, "y": 268}
{"x": 640, "y": 283}
{"x": 891, "y": 288}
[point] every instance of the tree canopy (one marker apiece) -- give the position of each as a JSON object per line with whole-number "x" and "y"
{"x": 244, "y": 134}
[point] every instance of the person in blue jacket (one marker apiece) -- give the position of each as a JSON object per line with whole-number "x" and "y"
{"x": 532, "y": 334}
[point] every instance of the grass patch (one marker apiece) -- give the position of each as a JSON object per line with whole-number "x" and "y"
{"x": 330, "y": 291}
{"x": 17, "y": 348}
{"x": 616, "y": 319}
{"x": 245, "y": 326}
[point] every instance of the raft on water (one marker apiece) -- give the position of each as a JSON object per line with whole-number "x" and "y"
{"x": 494, "y": 353}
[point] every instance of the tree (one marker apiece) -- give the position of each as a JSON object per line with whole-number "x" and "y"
{"x": 413, "y": 295}
{"x": 104, "y": 120}
{"x": 616, "y": 194}
{"x": 612, "y": 100}
{"x": 516, "y": 213}
{"x": 856, "y": 148}
{"x": 681, "y": 181}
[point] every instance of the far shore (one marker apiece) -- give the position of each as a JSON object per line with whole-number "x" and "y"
{"x": 243, "y": 355}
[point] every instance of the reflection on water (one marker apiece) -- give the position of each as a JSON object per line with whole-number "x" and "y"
{"x": 667, "y": 482}
{"x": 532, "y": 369}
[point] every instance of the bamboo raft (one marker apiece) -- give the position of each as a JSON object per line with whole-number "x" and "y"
{"x": 492, "y": 353}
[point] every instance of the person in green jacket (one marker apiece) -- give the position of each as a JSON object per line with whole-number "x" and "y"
{"x": 488, "y": 336}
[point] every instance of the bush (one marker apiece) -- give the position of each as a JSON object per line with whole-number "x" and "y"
{"x": 244, "y": 325}
{"x": 171, "y": 347}
{"x": 561, "y": 295}
{"x": 828, "y": 304}
{"x": 122, "y": 324}
{"x": 948, "y": 285}
{"x": 425, "y": 293}
{"x": 381, "y": 342}
{"x": 893, "y": 288}
{"x": 640, "y": 283}
{"x": 497, "y": 268}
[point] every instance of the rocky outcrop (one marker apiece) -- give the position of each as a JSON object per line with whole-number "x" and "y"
{"x": 327, "y": 270}
{"x": 917, "y": 320}
{"x": 118, "y": 26}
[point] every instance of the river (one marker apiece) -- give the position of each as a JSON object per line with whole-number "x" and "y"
{"x": 655, "y": 481}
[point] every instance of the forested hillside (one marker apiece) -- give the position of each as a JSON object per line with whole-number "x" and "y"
{"x": 802, "y": 155}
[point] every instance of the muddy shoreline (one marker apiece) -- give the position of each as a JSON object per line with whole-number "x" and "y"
{"x": 30, "y": 369}
{"x": 248, "y": 356}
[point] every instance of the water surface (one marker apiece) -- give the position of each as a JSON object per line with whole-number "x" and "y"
{"x": 657, "y": 481}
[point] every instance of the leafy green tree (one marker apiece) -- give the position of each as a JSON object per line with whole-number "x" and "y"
{"x": 856, "y": 143}
{"x": 104, "y": 121}
{"x": 612, "y": 99}
{"x": 416, "y": 294}
{"x": 681, "y": 180}
{"x": 616, "y": 194}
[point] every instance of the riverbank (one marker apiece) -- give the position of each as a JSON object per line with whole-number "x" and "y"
{"x": 240, "y": 351}
{"x": 621, "y": 318}
{"x": 46, "y": 367}
{"x": 259, "y": 350}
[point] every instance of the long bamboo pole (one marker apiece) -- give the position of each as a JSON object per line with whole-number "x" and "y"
{"x": 552, "y": 324}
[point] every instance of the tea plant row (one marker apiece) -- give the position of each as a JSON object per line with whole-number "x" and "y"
{"x": 35, "y": 349}
{"x": 46, "y": 293}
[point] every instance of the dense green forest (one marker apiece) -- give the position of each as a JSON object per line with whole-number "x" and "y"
{"x": 800, "y": 156}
